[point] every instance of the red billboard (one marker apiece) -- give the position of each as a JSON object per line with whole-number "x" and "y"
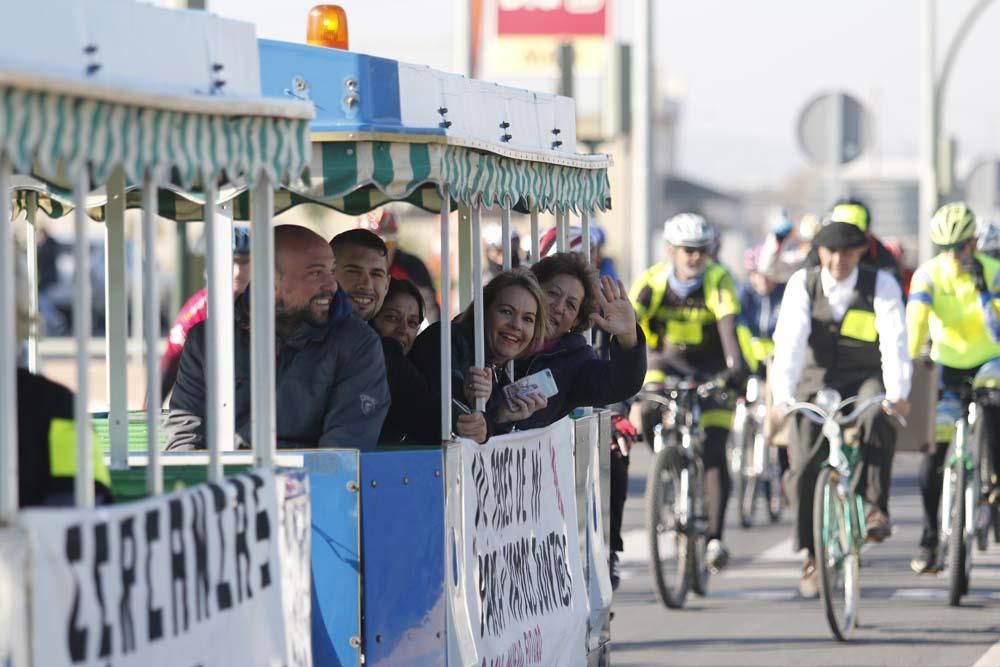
{"x": 551, "y": 17}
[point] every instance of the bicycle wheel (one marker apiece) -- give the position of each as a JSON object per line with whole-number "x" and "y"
{"x": 668, "y": 549}
{"x": 697, "y": 543}
{"x": 838, "y": 564}
{"x": 749, "y": 485}
{"x": 959, "y": 562}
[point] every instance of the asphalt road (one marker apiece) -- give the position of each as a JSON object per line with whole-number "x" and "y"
{"x": 753, "y": 614}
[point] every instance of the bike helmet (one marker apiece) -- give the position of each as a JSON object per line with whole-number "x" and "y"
{"x": 574, "y": 241}
{"x": 952, "y": 224}
{"x": 988, "y": 231}
{"x": 241, "y": 241}
{"x": 688, "y": 229}
{"x": 383, "y": 223}
{"x": 853, "y": 212}
{"x": 986, "y": 383}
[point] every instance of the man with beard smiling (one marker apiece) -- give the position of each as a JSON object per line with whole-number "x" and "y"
{"x": 330, "y": 386}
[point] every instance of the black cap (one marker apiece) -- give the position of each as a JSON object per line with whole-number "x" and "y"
{"x": 839, "y": 236}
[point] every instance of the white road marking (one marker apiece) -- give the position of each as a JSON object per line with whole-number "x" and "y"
{"x": 991, "y": 658}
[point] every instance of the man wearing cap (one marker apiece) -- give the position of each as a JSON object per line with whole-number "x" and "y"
{"x": 876, "y": 255}
{"x": 841, "y": 326}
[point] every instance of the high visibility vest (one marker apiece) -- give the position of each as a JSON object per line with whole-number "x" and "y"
{"x": 948, "y": 300}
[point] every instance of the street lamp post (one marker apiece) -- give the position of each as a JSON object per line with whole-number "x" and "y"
{"x": 932, "y": 88}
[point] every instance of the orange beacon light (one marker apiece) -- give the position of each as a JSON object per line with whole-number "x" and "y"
{"x": 327, "y": 27}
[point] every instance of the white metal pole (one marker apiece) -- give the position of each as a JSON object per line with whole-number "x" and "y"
{"x": 585, "y": 232}
{"x": 445, "y": 310}
{"x": 462, "y": 38}
{"x": 8, "y": 356}
{"x": 262, "y": 336}
{"x": 84, "y": 482}
{"x": 928, "y": 127}
{"x": 641, "y": 210}
{"x": 31, "y": 243}
{"x": 219, "y": 332}
{"x": 151, "y": 332}
{"x": 505, "y": 232}
{"x": 534, "y": 234}
{"x": 116, "y": 319}
{"x": 477, "y": 296}
{"x": 562, "y": 222}
{"x": 467, "y": 247}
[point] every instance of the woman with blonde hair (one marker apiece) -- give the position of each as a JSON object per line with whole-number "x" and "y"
{"x": 514, "y": 320}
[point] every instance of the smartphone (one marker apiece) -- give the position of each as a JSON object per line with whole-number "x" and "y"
{"x": 541, "y": 382}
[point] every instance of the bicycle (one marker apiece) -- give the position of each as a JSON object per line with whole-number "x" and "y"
{"x": 838, "y": 512}
{"x": 967, "y": 515}
{"x": 755, "y": 465}
{"x": 677, "y": 522}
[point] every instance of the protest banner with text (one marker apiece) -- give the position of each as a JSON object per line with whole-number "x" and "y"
{"x": 213, "y": 575}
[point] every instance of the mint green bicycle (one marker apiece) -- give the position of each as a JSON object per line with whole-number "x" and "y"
{"x": 838, "y": 512}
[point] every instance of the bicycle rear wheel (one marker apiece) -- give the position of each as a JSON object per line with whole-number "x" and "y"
{"x": 838, "y": 563}
{"x": 749, "y": 477}
{"x": 959, "y": 561}
{"x": 668, "y": 542}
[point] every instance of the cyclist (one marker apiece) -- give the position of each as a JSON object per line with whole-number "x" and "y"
{"x": 195, "y": 310}
{"x": 988, "y": 233}
{"x": 760, "y": 297}
{"x": 687, "y": 307}
{"x": 841, "y": 326}
{"x": 954, "y": 299}
{"x": 876, "y": 255}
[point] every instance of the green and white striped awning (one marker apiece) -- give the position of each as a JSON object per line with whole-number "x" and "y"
{"x": 53, "y": 129}
{"x": 358, "y": 176}
{"x": 355, "y": 177}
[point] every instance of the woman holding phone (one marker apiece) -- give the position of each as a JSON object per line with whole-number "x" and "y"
{"x": 514, "y": 325}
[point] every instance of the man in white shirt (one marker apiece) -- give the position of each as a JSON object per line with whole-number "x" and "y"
{"x": 841, "y": 326}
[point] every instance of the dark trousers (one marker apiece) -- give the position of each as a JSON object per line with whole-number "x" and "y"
{"x": 810, "y": 450}
{"x": 931, "y": 475}
{"x": 619, "y": 492}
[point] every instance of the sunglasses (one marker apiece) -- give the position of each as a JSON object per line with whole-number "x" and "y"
{"x": 691, "y": 250}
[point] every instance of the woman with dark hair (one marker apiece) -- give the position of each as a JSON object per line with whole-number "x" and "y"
{"x": 514, "y": 326}
{"x": 575, "y": 301}
{"x": 411, "y": 413}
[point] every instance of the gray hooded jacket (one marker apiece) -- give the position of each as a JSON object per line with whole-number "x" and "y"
{"x": 331, "y": 384}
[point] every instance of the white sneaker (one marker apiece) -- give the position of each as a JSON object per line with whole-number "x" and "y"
{"x": 716, "y": 555}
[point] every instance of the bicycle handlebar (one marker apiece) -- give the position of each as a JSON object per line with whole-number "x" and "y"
{"x": 702, "y": 389}
{"x": 816, "y": 414}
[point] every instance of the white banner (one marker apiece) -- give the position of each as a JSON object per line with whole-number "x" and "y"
{"x": 13, "y": 598}
{"x": 191, "y": 578}
{"x": 518, "y": 594}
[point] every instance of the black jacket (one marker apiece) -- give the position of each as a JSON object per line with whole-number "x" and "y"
{"x": 413, "y": 414}
{"x": 45, "y": 427}
{"x": 330, "y": 382}
{"x": 426, "y": 356}
{"x": 582, "y": 378}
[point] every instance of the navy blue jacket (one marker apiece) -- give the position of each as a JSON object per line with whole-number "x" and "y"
{"x": 330, "y": 381}
{"x": 760, "y": 313}
{"x": 582, "y": 378}
{"x": 426, "y": 356}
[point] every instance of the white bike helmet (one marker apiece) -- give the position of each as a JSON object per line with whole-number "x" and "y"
{"x": 688, "y": 229}
{"x": 988, "y": 231}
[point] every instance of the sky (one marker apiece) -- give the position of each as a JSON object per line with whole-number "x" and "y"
{"x": 744, "y": 70}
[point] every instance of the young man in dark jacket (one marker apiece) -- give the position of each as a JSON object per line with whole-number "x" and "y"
{"x": 331, "y": 386}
